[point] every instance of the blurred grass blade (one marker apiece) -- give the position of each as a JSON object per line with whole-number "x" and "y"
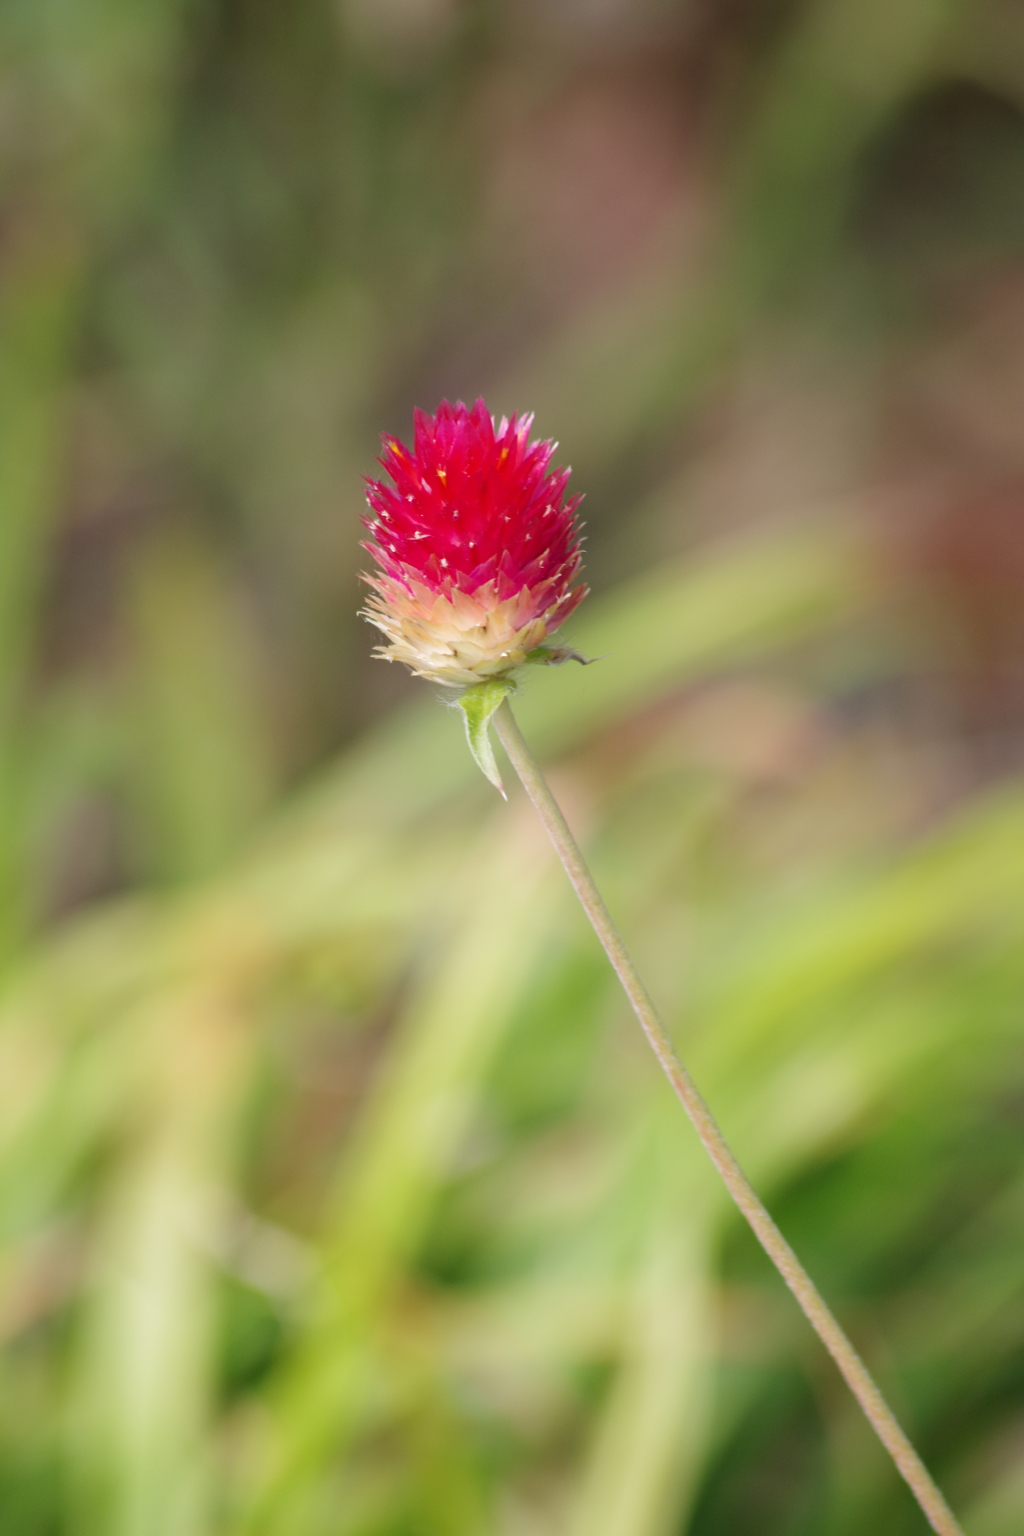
{"x": 650, "y": 1436}
{"x": 204, "y": 772}
{"x": 141, "y": 1403}
{"x": 417, "y": 1115}
{"x": 37, "y": 317}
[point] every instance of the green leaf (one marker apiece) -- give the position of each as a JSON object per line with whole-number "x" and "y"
{"x": 478, "y": 705}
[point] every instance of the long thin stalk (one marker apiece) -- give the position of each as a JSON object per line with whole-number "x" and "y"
{"x": 778, "y": 1250}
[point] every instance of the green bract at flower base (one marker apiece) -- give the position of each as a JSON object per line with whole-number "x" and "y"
{"x": 478, "y": 705}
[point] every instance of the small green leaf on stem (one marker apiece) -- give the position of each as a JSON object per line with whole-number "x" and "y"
{"x": 478, "y": 705}
{"x": 556, "y": 655}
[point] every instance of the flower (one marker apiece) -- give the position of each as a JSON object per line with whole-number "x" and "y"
{"x": 477, "y": 546}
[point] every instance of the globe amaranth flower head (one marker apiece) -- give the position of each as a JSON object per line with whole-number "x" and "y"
{"x": 477, "y": 545}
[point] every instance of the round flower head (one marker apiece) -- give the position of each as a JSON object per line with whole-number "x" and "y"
{"x": 477, "y": 545}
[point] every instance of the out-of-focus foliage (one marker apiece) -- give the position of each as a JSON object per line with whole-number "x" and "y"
{"x": 338, "y": 1195}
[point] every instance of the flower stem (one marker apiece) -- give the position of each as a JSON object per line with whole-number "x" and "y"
{"x": 778, "y": 1250}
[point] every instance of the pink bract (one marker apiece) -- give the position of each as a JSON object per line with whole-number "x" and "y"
{"x": 477, "y": 545}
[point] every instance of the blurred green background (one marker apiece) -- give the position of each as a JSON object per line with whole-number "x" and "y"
{"x": 338, "y": 1193}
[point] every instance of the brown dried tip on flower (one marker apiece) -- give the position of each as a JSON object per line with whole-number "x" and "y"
{"x": 477, "y": 545}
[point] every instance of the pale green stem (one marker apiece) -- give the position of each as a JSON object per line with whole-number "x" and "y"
{"x": 778, "y": 1250}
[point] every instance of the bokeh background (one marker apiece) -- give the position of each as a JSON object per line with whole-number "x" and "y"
{"x": 338, "y": 1193}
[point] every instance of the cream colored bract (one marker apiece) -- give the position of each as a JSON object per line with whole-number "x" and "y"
{"x": 457, "y": 638}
